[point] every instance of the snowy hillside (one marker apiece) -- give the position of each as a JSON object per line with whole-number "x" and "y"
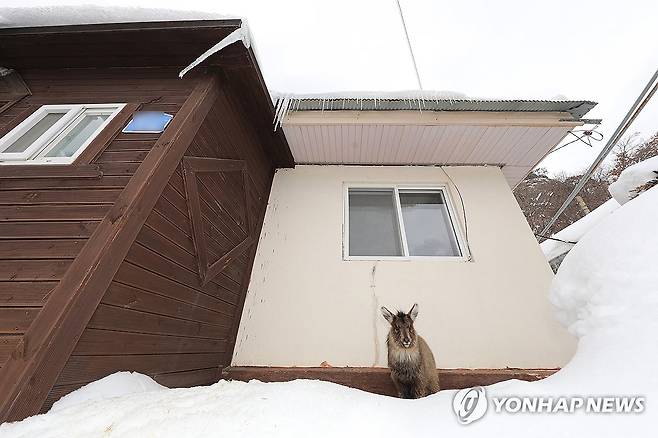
{"x": 605, "y": 293}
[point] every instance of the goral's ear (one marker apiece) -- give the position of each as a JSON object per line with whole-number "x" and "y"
{"x": 413, "y": 313}
{"x": 387, "y": 314}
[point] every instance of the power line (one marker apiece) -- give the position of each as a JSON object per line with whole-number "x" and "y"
{"x": 411, "y": 51}
{"x": 557, "y": 240}
{"x": 632, "y": 113}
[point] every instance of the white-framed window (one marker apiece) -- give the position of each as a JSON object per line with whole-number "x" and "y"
{"x": 56, "y": 134}
{"x": 392, "y": 221}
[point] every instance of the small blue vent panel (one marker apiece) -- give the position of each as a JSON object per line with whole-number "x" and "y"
{"x": 152, "y": 122}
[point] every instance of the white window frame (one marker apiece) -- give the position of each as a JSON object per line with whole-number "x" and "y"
{"x": 443, "y": 188}
{"x": 35, "y": 153}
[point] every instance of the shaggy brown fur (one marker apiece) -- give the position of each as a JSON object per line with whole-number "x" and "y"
{"x": 410, "y": 359}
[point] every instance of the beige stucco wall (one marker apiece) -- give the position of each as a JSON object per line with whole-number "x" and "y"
{"x": 306, "y": 305}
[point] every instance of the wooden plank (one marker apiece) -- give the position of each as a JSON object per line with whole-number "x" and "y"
{"x": 81, "y": 196}
{"x": 25, "y": 293}
{"x": 8, "y": 345}
{"x": 72, "y": 303}
{"x": 226, "y": 259}
{"x": 53, "y": 212}
{"x": 118, "y": 169}
{"x": 50, "y": 171}
{"x": 378, "y": 380}
{"x": 133, "y": 275}
{"x": 103, "y": 139}
{"x": 122, "y": 156}
{"x": 188, "y": 379}
{"x": 27, "y": 270}
{"x": 147, "y": 259}
{"x": 225, "y": 191}
{"x": 158, "y": 243}
{"x": 166, "y": 209}
{"x": 157, "y": 240}
{"x": 206, "y": 164}
{"x": 129, "y": 297}
{"x": 104, "y": 342}
{"x": 80, "y": 369}
{"x": 104, "y": 182}
{"x": 159, "y": 222}
{"x": 130, "y": 145}
{"x": 15, "y": 320}
{"x": 196, "y": 219}
{"x": 41, "y": 249}
{"x": 128, "y": 320}
{"x": 219, "y": 223}
{"x": 46, "y": 230}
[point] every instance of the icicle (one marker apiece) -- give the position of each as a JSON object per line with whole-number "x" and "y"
{"x": 240, "y": 34}
{"x": 281, "y": 110}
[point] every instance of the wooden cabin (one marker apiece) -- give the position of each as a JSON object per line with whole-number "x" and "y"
{"x": 161, "y": 224}
{"x": 123, "y": 250}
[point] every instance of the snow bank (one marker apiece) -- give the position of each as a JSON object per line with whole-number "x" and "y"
{"x": 573, "y": 232}
{"x": 633, "y": 177}
{"x": 609, "y": 280}
{"x": 114, "y": 385}
{"x": 605, "y": 293}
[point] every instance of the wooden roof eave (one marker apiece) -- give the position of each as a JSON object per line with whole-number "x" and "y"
{"x": 161, "y": 44}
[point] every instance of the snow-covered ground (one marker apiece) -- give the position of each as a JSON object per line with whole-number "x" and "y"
{"x": 605, "y": 293}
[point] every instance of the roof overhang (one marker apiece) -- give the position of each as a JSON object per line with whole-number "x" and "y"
{"x": 153, "y": 44}
{"x": 145, "y": 44}
{"x": 513, "y": 135}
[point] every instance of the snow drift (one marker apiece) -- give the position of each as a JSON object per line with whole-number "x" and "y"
{"x": 633, "y": 180}
{"x": 573, "y": 233}
{"x": 605, "y": 293}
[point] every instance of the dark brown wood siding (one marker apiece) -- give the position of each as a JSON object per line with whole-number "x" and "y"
{"x": 157, "y": 317}
{"x": 48, "y": 212}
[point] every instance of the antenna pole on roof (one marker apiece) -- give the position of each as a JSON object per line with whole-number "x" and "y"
{"x": 639, "y": 104}
{"x": 411, "y": 50}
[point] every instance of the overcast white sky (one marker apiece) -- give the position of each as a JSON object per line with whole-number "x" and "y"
{"x": 597, "y": 50}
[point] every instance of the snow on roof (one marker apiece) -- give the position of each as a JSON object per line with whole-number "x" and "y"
{"x": 418, "y": 100}
{"x": 633, "y": 178}
{"x": 574, "y": 232}
{"x": 92, "y": 14}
